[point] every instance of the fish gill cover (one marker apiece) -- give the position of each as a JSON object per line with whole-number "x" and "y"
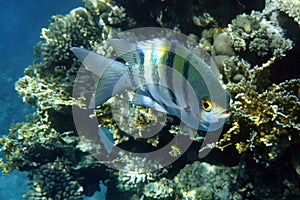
{"x": 255, "y": 47}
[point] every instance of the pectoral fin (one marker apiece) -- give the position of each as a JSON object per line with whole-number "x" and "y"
{"x": 106, "y": 139}
{"x": 125, "y": 49}
{"x": 147, "y": 101}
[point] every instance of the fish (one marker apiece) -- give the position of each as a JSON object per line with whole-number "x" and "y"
{"x": 166, "y": 76}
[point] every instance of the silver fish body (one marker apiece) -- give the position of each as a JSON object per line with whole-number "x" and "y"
{"x": 167, "y": 76}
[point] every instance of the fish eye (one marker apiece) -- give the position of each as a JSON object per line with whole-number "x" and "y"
{"x": 206, "y": 105}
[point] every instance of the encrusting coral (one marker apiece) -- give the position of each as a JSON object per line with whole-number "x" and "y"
{"x": 265, "y": 113}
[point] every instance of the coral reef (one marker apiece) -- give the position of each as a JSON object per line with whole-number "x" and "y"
{"x": 262, "y": 135}
{"x": 65, "y": 32}
{"x": 201, "y": 180}
{"x": 47, "y": 145}
{"x": 289, "y": 7}
{"x": 259, "y": 35}
{"x": 53, "y": 181}
{"x": 162, "y": 189}
{"x": 254, "y": 37}
{"x": 266, "y": 113}
{"x": 32, "y": 143}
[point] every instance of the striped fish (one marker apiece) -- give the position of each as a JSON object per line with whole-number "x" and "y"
{"x": 167, "y": 76}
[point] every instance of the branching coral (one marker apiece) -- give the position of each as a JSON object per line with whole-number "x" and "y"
{"x": 134, "y": 174}
{"x": 65, "y": 32}
{"x": 32, "y": 143}
{"x": 289, "y": 7}
{"x": 35, "y": 89}
{"x": 265, "y": 116}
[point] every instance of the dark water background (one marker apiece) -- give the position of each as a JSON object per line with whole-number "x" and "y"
{"x": 21, "y": 22}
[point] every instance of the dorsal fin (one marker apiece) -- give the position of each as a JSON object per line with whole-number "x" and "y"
{"x": 127, "y": 50}
{"x": 205, "y": 56}
{"x": 133, "y": 52}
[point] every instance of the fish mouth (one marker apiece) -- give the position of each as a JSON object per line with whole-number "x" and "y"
{"x": 225, "y": 114}
{"x": 217, "y": 122}
{"x": 214, "y": 120}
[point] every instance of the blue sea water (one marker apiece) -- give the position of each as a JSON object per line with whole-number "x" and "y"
{"x": 21, "y": 22}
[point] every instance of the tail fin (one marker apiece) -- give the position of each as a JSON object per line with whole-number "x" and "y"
{"x": 112, "y": 74}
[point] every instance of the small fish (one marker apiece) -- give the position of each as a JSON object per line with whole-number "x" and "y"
{"x": 167, "y": 76}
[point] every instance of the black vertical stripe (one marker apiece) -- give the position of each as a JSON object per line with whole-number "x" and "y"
{"x": 134, "y": 55}
{"x": 169, "y": 73}
{"x": 186, "y": 66}
{"x": 185, "y": 73}
{"x": 171, "y": 55}
{"x": 141, "y": 54}
{"x": 141, "y": 69}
